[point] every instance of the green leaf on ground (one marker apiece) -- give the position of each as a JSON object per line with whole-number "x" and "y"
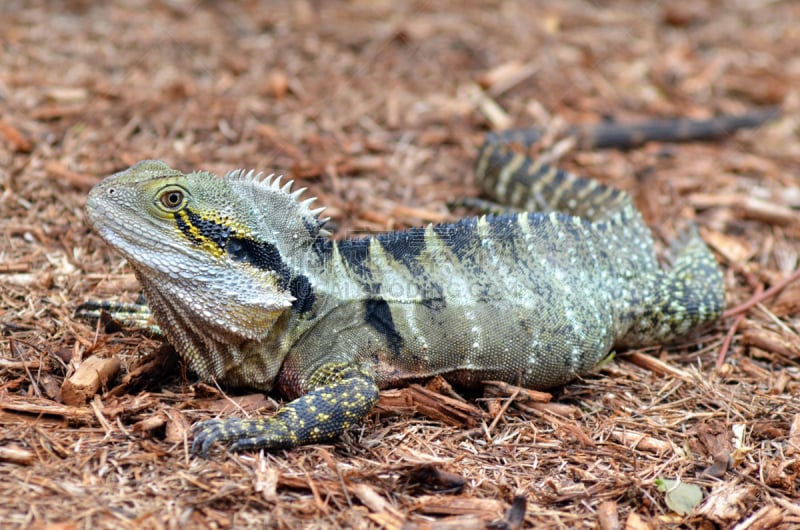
{"x": 681, "y": 497}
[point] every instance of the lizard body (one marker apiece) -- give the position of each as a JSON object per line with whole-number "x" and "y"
{"x": 241, "y": 278}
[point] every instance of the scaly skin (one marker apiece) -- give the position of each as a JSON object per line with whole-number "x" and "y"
{"x": 242, "y": 280}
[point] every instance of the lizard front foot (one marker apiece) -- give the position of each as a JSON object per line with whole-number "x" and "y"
{"x": 269, "y": 433}
{"x": 343, "y": 395}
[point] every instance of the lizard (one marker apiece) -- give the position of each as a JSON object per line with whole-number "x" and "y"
{"x": 244, "y": 281}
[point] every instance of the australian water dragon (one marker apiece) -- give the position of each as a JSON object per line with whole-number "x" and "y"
{"x": 241, "y": 277}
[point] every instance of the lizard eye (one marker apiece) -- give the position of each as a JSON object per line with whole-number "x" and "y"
{"x": 171, "y": 199}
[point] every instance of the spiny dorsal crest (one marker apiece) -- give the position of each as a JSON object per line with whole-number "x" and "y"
{"x": 272, "y": 182}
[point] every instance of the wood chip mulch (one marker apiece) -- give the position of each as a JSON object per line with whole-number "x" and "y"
{"x": 378, "y": 108}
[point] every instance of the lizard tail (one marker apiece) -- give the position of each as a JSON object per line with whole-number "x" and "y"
{"x": 511, "y": 177}
{"x": 688, "y": 295}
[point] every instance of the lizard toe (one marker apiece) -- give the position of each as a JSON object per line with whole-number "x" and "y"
{"x": 244, "y": 434}
{"x": 205, "y": 434}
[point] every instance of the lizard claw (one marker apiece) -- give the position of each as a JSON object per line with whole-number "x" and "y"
{"x": 205, "y": 434}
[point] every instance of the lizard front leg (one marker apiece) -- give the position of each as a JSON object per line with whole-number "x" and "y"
{"x": 341, "y": 395}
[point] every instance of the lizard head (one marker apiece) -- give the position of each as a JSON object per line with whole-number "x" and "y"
{"x": 217, "y": 257}
{"x": 160, "y": 218}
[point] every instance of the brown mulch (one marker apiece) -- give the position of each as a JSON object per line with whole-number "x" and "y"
{"x": 378, "y": 109}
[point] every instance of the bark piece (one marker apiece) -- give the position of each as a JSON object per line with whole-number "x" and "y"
{"x": 91, "y": 375}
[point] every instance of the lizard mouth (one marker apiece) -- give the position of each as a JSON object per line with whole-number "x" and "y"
{"x": 134, "y": 236}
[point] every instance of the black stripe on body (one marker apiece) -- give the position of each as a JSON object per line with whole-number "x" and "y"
{"x": 355, "y": 253}
{"x": 323, "y": 247}
{"x": 405, "y": 246}
{"x": 303, "y": 293}
{"x": 460, "y": 237}
{"x": 378, "y": 315}
{"x": 505, "y": 233}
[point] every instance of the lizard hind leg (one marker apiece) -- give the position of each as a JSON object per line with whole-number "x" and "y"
{"x": 119, "y": 314}
{"x": 691, "y": 293}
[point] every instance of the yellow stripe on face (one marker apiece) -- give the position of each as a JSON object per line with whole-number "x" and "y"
{"x": 192, "y": 232}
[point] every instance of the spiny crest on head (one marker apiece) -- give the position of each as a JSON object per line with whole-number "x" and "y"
{"x": 273, "y": 183}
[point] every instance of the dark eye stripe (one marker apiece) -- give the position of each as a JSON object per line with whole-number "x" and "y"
{"x": 208, "y": 229}
{"x": 185, "y": 228}
{"x": 259, "y": 254}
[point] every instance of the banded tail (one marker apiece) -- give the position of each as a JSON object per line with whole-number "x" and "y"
{"x": 511, "y": 177}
